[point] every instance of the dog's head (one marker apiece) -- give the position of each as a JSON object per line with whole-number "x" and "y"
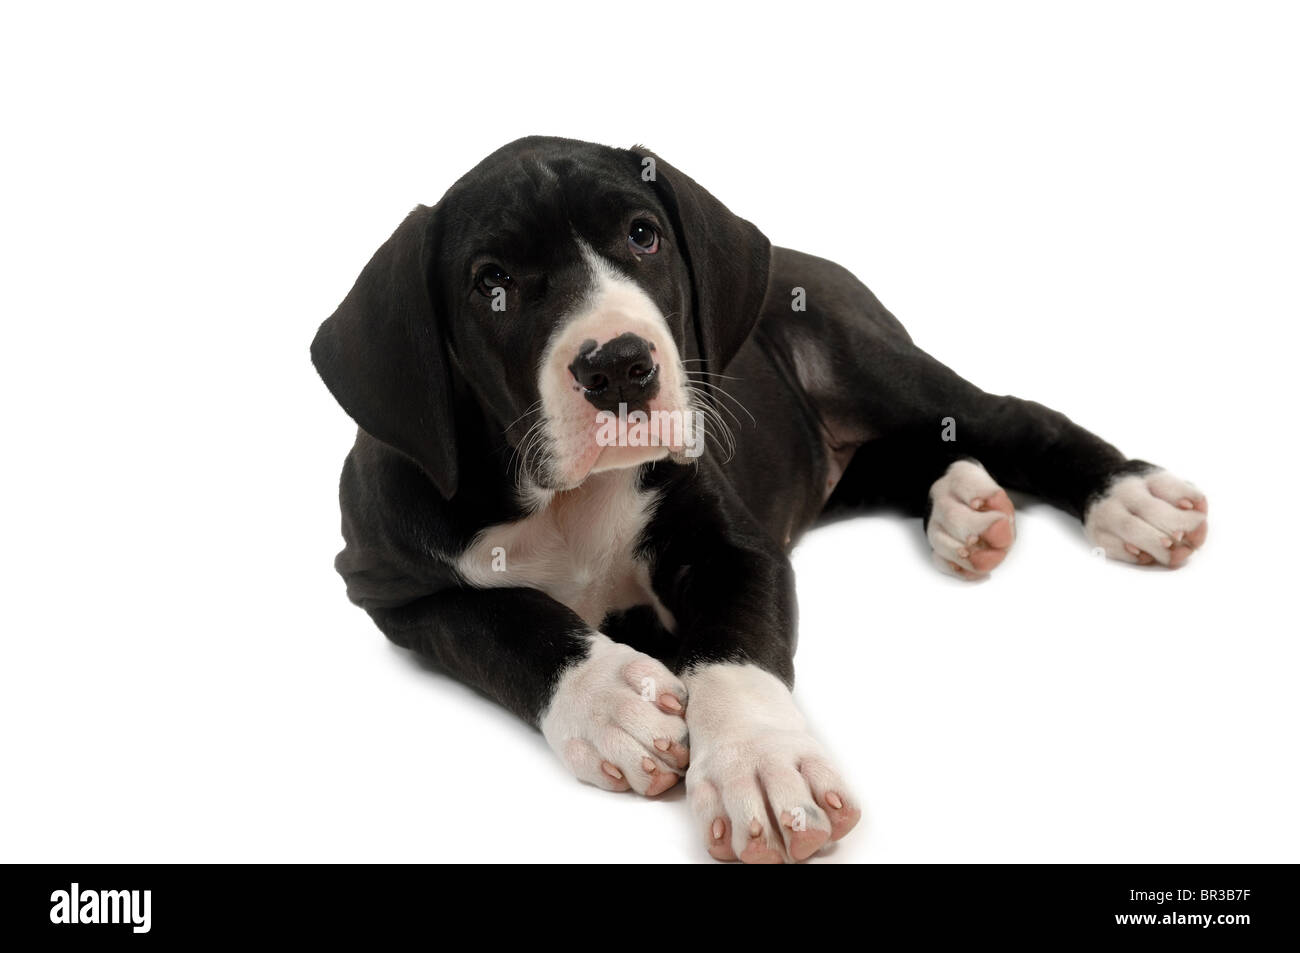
{"x": 560, "y": 286}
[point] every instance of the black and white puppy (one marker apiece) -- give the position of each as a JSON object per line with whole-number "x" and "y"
{"x": 596, "y": 409}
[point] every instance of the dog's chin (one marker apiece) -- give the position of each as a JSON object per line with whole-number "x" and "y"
{"x": 621, "y": 458}
{"x": 594, "y": 459}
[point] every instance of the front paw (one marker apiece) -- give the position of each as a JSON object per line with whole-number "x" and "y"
{"x": 1149, "y": 517}
{"x": 761, "y": 788}
{"x": 617, "y": 720}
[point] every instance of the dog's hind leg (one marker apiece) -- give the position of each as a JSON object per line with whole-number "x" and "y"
{"x": 919, "y": 425}
{"x": 967, "y": 516}
{"x": 949, "y": 454}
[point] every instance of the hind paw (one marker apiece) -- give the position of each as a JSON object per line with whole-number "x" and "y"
{"x": 972, "y": 522}
{"x": 1148, "y": 518}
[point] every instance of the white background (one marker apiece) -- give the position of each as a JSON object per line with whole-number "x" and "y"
{"x": 1095, "y": 209}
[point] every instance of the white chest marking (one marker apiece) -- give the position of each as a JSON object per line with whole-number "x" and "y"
{"x": 577, "y": 546}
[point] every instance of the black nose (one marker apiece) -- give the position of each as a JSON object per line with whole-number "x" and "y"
{"x": 620, "y": 371}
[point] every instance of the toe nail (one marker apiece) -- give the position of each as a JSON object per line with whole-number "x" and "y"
{"x": 1166, "y": 542}
{"x": 834, "y": 801}
{"x": 719, "y": 829}
{"x": 663, "y": 744}
{"x": 1185, "y": 504}
{"x": 669, "y": 702}
{"x": 964, "y": 553}
{"x": 648, "y": 765}
{"x": 1178, "y": 536}
{"x": 977, "y": 504}
{"x": 755, "y": 828}
{"x": 612, "y": 771}
{"x": 1133, "y": 550}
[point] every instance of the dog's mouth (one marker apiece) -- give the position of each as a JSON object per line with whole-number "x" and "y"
{"x": 603, "y": 424}
{"x": 592, "y": 440}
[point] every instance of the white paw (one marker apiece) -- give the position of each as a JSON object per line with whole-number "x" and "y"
{"x": 616, "y": 720}
{"x": 761, "y": 788}
{"x": 972, "y": 522}
{"x": 1145, "y": 518}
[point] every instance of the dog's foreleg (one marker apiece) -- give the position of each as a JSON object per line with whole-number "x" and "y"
{"x": 612, "y": 714}
{"x": 761, "y": 787}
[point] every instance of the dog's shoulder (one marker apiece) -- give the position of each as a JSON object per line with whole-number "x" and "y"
{"x": 402, "y": 538}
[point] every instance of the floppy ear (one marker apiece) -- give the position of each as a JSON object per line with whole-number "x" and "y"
{"x": 728, "y": 259}
{"x": 383, "y": 353}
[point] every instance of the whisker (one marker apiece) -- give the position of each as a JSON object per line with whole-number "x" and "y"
{"x": 706, "y": 407}
{"x": 525, "y": 447}
{"x": 689, "y": 370}
{"x": 717, "y": 406}
{"x": 730, "y": 396}
{"x": 532, "y": 409}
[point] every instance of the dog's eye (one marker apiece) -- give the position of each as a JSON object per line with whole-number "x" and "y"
{"x": 489, "y": 277}
{"x": 643, "y": 238}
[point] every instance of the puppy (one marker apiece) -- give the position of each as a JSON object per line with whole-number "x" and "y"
{"x": 596, "y": 410}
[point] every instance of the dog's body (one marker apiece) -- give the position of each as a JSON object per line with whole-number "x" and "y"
{"x": 623, "y": 597}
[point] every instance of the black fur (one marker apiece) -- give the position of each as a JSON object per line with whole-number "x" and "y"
{"x": 438, "y": 385}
